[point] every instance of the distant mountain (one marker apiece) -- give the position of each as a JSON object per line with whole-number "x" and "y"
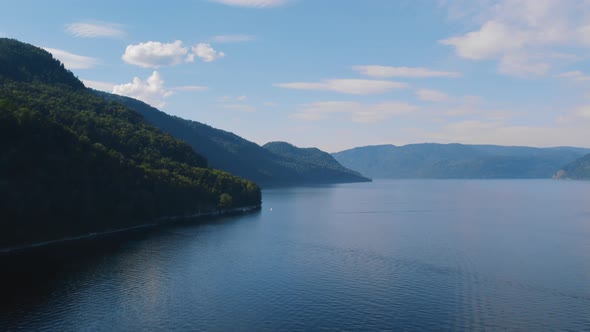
{"x": 314, "y": 163}
{"x": 231, "y": 153}
{"x": 460, "y": 161}
{"x": 579, "y": 169}
{"x": 72, "y": 163}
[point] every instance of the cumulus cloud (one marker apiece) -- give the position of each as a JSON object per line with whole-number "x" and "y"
{"x": 205, "y": 52}
{"x": 524, "y": 36}
{"x": 347, "y": 86}
{"x": 95, "y": 29}
{"x": 432, "y": 95}
{"x": 150, "y": 91}
{"x": 410, "y": 72}
{"x": 71, "y": 60}
{"x": 153, "y": 54}
{"x": 252, "y": 3}
{"x": 355, "y": 111}
{"x": 493, "y": 39}
{"x": 233, "y": 38}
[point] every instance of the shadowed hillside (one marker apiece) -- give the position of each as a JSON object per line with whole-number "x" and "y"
{"x": 231, "y": 153}
{"x": 73, "y": 163}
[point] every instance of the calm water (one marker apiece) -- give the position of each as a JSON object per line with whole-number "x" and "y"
{"x": 389, "y": 255}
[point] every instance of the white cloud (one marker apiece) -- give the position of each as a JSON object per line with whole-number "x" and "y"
{"x": 190, "y": 88}
{"x": 411, "y": 72}
{"x": 348, "y": 86}
{"x": 71, "y": 60}
{"x": 355, "y": 111}
{"x": 432, "y": 95}
{"x": 95, "y": 29}
{"x": 155, "y": 54}
{"x": 150, "y": 91}
{"x": 205, "y": 52}
{"x": 525, "y": 36}
{"x": 98, "y": 85}
{"x": 493, "y": 39}
{"x": 232, "y": 38}
{"x": 109, "y": 86}
{"x": 240, "y": 107}
{"x": 252, "y": 3}
{"x": 241, "y": 98}
{"x": 575, "y": 75}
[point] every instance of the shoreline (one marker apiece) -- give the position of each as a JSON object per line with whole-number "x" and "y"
{"x": 159, "y": 221}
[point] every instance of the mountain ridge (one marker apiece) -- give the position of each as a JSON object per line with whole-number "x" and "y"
{"x": 232, "y": 153}
{"x": 455, "y": 160}
{"x": 327, "y": 166}
{"x": 73, "y": 163}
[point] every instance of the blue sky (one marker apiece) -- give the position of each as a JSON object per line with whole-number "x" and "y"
{"x": 335, "y": 73}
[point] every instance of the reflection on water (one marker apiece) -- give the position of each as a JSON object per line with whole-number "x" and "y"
{"x": 403, "y": 255}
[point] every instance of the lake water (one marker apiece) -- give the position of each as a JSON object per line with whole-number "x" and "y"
{"x": 388, "y": 255}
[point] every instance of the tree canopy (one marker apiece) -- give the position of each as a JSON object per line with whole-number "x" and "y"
{"x": 74, "y": 163}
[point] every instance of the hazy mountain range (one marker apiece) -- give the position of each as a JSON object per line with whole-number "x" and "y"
{"x": 458, "y": 161}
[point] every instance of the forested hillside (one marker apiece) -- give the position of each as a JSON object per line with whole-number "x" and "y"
{"x": 578, "y": 169}
{"x": 320, "y": 164}
{"x": 73, "y": 163}
{"x": 231, "y": 153}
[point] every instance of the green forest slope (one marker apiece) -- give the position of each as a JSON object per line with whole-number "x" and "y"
{"x": 74, "y": 163}
{"x": 232, "y": 153}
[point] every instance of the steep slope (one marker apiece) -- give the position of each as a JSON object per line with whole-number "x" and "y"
{"x": 27, "y": 64}
{"x": 457, "y": 161}
{"x": 579, "y": 169}
{"x": 73, "y": 163}
{"x": 231, "y": 153}
{"x": 316, "y": 163}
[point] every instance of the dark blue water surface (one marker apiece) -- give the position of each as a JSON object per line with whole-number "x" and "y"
{"x": 388, "y": 255}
